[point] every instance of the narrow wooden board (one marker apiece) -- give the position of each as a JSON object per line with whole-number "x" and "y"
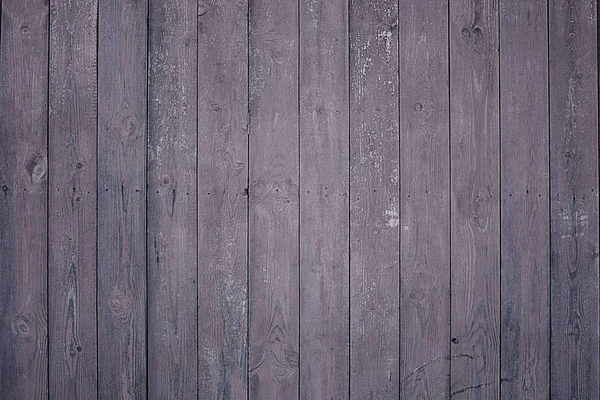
{"x": 324, "y": 205}
{"x": 23, "y": 199}
{"x": 574, "y": 188}
{"x": 72, "y": 200}
{"x": 172, "y": 252}
{"x": 374, "y": 203}
{"x": 274, "y": 191}
{"x": 524, "y": 199}
{"x": 425, "y": 201}
{"x": 222, "y": 198}
{"x": 475, "y": 213}
{"x": 122, "y": 199}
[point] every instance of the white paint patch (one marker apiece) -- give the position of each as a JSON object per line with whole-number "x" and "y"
{"x": 393, "y": 217}
{"x": 387, "y": 36}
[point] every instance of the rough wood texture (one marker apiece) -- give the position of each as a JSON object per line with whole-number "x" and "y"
{"x": 222, "y": 198}
{"x": 23, "y": 199}
{"x": 172, "y": 201}
{"x": 475, "y": 213}
{"x": 72, "y": 200}
{"x": 374, "y": 203}
{"x": 299, "y": 199}
{"x": 324, "y": 207}
{"x": 274, "y": 192}
{"x": 574, "y": 199}
{"x": 425, "y": 199}
{"x": 524, "y": 199}
{"x": 122, "y": 199}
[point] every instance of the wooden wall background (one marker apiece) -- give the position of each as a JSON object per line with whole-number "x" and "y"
{"x": 281, "y": 199}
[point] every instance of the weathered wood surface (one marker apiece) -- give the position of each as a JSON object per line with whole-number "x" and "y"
{"x": 525, "y": 313}
{"x": 299, "y": 199}
{"x": 172, "y": 240}
{"x": 274, "y": 191}
{"x": 122, "y": 199}
{"x": 374, "y": 203}
{"x": 222, "y": 199}
{"x": 72, "y": 200}
{"x": 475, "y": 213}
{"x": 573, "y": 81}
{"x": 23, "y": 199}
{"x": 324, "y": 203}
{"x": 425, "y": 201}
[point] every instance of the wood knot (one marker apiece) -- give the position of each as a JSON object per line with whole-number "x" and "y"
{"x": 165, "y": 181}
{"x": 237, "y": 165}
{"x": 465, "y": 32}
{"x": 129, "y": 127}
{"x": 477, "y": 220}
{"x": 21, "y": 326}
{"x": 36, "y": 168}
{"x": 418, "y": 107}
{"x": 120, "y": 306}
{"x": 202, "y": 9}
{"x": 4, "y": 188}
{"x": 417, "y": 294}
{"x": 279, "y": 195}
{"x": 455, "y": 341}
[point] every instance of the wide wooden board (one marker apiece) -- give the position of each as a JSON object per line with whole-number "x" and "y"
{"x": 122, "y": 94}
{"x": 573, "y": 73}
{"x": 274, "y": 196}
{"x": 324, "y": 202}
{"x": 172, "y": 242}
{"x": 23, "y": 199}
{"x": 72, "y": 200}
{"x": 524, "y": 200}
{"x": 425, "y": 201}
{"x": 222, "y": 198}
{"x": 374, "y": 200}
{"x": 475, "y": 213}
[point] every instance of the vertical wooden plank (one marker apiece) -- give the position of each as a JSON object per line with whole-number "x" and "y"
{"x": 274, "y": 192}
{"x": 374, "y": 206}
{"x": 23, "y": 199}
{"x": 222, "y": 198}
{"x": 172, "y": 200}
{"x": 524, "y": 199}
{"x": 573, "y": 81}
{"x": 324, "y": 207}
{"x": 425, "y": 193}
{"x": 72, "y": 199}
{"x": 475, "y": 213}
{"x": 122, "y": 199}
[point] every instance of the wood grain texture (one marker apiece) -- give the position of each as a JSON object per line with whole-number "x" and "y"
{"x": 374, "y": 203}
{"x": 324, "y": 206}
{"x": 72, "y": 200}
{"x": 524, "y": 199}
{"x": 475, "y": 213}
{"x": 574, "y": 199}
{"x": 222, "y": 198}
{"x": 23, "y": 199}
{"x": 172, "y": 200}
{"x": 274, "y": 196}
{"x": 425, "y": 201}
{"x": 122, "y": 199}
